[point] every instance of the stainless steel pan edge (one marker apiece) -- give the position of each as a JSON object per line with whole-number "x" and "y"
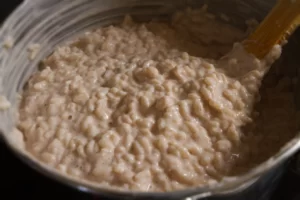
{"x": 35, "y": 18}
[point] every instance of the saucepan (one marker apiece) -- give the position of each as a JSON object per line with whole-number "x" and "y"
{"x": 43, "y": 24}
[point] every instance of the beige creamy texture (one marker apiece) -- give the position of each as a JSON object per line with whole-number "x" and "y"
{"x": 154, "y": 106}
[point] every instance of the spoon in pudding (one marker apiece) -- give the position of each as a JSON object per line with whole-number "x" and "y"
{"x": 280, "y": 23}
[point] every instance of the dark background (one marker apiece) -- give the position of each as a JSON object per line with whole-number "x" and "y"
{"x": 20, "y": 182}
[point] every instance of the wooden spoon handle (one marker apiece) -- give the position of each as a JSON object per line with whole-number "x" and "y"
{"x": 276, "y": 27}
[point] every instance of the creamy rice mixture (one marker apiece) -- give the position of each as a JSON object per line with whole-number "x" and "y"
{"x": 155, "y": 106}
